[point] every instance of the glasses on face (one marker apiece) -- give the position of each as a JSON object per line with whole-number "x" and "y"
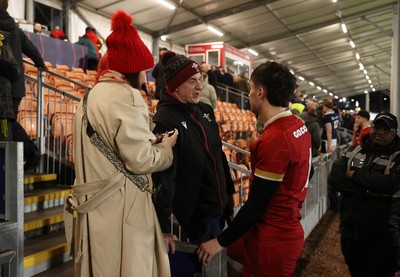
{"x": 384, "y": 129}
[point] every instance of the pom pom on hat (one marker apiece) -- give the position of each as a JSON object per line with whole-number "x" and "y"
{"x": 120, "y": 21}
{"x": 126, "y": 51}
{"x": 178, "y": 69}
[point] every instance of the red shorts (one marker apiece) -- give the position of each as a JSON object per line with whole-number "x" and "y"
{"x": 276, "y": 258}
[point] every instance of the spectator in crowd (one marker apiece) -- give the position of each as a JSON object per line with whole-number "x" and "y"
{"x": 348, "y": 121}
{"x": 297, "y": 108}
{"x": 37, "y": 28}
{"x": 10, "y": 71}
{"x": 242, "y": 82}
{"x": 220, "y": 73}
{"x": 58, "y": 34}
{"x": 158, "y": 74}
{"x": 266, "y": 236}
{"x": 207, "y": 94}
{"x": 196, "y": 187}
{"x": 212, "y": 78}
{"x": 330, "y": 124}
{"x": 298, "y": 97}
{"x": 361, "y": 127}
{"x": 91, "y": 34}
{"x": 228, "y": 78}
{"x": 369, "y": 181}
{"x": 20, "y": 44}
{"x": 92, "y": 55}
{"x": 121, "y": 235}
{"x": 309, "y": 117}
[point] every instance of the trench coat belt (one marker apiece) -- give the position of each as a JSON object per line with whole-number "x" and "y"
{"x": 99, "y": 191}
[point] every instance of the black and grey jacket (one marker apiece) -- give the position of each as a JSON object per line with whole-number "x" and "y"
{"x": 20, "y": 44}
{"x": 196, "y": 183}
{"x": 370, "y": 199}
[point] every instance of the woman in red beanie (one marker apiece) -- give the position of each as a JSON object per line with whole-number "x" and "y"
{"x": 116, "y": 232}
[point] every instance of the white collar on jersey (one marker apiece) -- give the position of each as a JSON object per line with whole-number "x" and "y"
{"x": 278, "y": 115}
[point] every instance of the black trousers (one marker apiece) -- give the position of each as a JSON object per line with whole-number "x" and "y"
{"x": 31, "y": 152}
{"x": 370, "y": 259}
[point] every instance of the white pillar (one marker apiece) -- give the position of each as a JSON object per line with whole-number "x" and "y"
{"x": 395, "y": 74}
{"x": 29, "y": 9}
{"x": 367, "y": 102}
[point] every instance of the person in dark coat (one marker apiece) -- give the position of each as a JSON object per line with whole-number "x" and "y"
{"x": 196, "y": 187}
{"x": 92, "y": 55}
{"x": 20, "y": 43}
{"x": 158, "y": 75}
{"x": 9, "y": 72}
{"x": 310, "y": 120}
{"x": 212, "y": 78}
{"x": 368, "y": 178}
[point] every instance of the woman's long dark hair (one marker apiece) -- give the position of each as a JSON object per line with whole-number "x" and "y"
{"x": 133, "y": 79}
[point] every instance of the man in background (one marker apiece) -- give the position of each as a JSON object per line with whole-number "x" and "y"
{"x": 212, "y": 78}
{"x": 37, "y": 28}
{"x": 330, "y": 123}
{"x": 158, "y": 74}
{"x": 368, "y": 178}
{"x": 361, "y": 127}
{"x": 20, "y": 44}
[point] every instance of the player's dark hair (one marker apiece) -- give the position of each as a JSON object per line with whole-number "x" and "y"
{"x": 279, "y": 83}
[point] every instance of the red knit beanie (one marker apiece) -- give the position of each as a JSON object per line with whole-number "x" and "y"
{"x": 177, "y": 69}
{"x": 126, "y": 51}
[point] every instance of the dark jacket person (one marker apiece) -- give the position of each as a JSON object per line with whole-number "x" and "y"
{"x": 368, "y": 177}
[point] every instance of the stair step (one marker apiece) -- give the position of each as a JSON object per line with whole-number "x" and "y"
{"x": 44, "y": 252}
{"x": 31, "y": 179}
{"x": 45, "y": 198}
{"x": 63, "y": 270}
{"x": 44, "y": 221}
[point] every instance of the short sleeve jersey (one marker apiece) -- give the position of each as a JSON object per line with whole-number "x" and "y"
{"x": 333, "y": 119}
{"x": 283, "y": 154}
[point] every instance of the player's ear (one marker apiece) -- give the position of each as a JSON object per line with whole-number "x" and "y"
{"x": 261, "y": 92}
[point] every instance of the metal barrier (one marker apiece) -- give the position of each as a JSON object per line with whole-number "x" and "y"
{"x": 49, "y": 122}
{"x": 233, "y": 95}
{"x": 11, "y": 209}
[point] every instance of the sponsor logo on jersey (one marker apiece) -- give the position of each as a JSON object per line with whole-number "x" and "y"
{"x": 299, "y": 132}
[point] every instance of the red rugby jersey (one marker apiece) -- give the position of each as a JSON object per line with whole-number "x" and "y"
{"x": 283, "y": 153}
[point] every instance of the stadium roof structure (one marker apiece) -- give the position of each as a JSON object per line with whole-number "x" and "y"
{"x": 305, "y": 35}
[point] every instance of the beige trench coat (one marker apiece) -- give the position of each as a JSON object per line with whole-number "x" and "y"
{"x": 118, "y": 233}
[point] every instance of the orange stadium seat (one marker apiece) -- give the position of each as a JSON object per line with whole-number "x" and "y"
{"x": 77, "y": 70}
{"x": 91, "y": 72}
{"x": 62, "y": 125}
{"x": 28, "y": 121}
{"x": 62, "y": 67}
{"x": 28, "y": 104}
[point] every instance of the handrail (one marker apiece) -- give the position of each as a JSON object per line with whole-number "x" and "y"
{"x": 59, "y": 76}
{"x": 60, "y": 91}
{"x": 238, "y": 149}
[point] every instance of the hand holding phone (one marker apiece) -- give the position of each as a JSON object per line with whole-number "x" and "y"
{"x": 170, "y": 137}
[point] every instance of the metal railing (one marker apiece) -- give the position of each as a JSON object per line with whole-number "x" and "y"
{"x": 11, "y": 210}
{"x": 49, "y": 122}
{"x": 233, "y": 95}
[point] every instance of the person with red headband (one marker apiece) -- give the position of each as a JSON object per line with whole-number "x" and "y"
{"x": 196, "y": 187}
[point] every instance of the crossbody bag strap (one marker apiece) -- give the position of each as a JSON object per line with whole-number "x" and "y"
{"x": 95, "y": 139}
